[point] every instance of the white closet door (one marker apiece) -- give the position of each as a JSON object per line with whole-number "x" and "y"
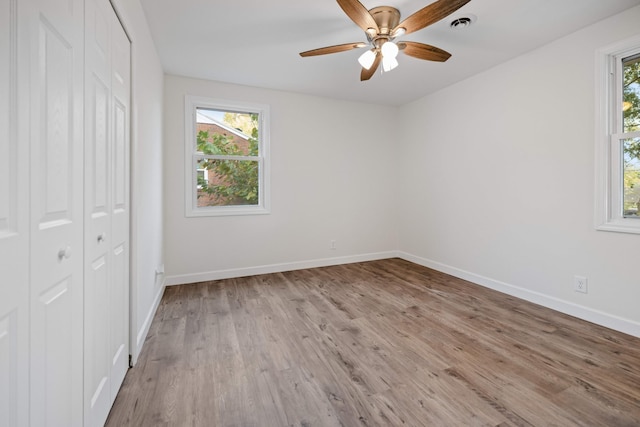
{"x": 106, "y": 209}
{"x": 98, "y": 146}
{"x": 56, "y": 29}
{"x": 119, "y": 296}
{"x": 14, "y": 222}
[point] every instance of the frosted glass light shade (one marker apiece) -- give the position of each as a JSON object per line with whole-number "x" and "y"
{"x": 389, "y": 63}
{"x": 389, "y": 50}
{"x": 367, "y": 58}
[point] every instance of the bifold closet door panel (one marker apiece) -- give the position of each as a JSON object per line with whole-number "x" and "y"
{"x": 14, "y": 219}
{"x": 120, "y": 284}
{"x": 98, "y": 146}
{"x": 107, "y": 87}
{"x": 56, "y": 50}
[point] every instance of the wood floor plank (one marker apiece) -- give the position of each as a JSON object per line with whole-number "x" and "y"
{"x": 383, "y": 343}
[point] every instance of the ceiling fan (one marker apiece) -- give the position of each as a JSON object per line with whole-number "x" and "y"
{"x": 382, "y": 26}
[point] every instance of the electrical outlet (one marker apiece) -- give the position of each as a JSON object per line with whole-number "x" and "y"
{"x": 580, "y": 284}
{"x": 332, "y": 245}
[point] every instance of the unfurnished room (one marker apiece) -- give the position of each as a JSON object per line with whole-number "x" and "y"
{"x": 319, "y": 213}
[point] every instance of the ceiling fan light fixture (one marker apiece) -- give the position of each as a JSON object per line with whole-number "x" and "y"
{"x": 389, "y": 50}
{"x": 389, "y": 63}
{"x": 398, "y": 32}
{"x": 371, "y": 32}
{"x": 367, "y": 58}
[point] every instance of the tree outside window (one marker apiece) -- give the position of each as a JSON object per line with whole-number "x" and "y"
{"x": 631, "y": 146}
{"x": 230, "y": 169}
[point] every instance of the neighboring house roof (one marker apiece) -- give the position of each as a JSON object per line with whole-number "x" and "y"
{"x": 206, "y": 119}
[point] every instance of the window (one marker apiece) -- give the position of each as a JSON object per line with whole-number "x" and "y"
{"x": 618, "y": 138}
{"x": 226, "y": 157}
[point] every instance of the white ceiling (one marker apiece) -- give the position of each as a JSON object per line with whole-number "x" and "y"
{"x": 256, "y": 42}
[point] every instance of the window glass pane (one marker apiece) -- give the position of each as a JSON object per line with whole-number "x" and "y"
{"x": 631, "y": 94}
{"x": 227, "y": 182}
{"x": 202, "y": 177}
{"x": 631, "y": 200}
{"x": 226, "y": 133}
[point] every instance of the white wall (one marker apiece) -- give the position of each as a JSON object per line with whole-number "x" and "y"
{"x": 333, "y": 178}
{"x": 491, "y": 180}
{"x": 498, "y": 182}
{"x": 146, "y": 171}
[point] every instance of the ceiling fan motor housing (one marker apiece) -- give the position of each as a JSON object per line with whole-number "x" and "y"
{"x": 386, "y": 17}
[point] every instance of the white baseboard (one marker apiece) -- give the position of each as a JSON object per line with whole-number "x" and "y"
{"x": 594, "y": 316}
{"x": 274, "y": 268}
{"x": 144, "y": 330}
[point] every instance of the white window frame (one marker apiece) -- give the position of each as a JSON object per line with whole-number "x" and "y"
{"x": 192, "y": 103}
{"x": 609, "y": 135}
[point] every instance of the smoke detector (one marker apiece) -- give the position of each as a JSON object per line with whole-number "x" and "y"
{"x": 462, "y": 22}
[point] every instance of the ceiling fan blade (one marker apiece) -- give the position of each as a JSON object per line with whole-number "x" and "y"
{"x": 430, "y": 14}
{"x": 332, "y": 49}
{"x": 358, "y": 14}
{"x": 367, "y": 74}
{"x": 424, "y": 51}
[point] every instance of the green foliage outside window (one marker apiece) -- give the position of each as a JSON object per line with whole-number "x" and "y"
{"x": 631, "y": 123}
{"x": 236, "y": 180}
{"x": 631, "y": 96}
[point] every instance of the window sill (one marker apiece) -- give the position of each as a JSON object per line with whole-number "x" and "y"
{"x": 227, "y": 211}
{"x": 623, "y": 225}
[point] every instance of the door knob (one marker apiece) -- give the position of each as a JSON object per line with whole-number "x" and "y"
{"x": 64, "y": 253}
{"x": 102, "y": 237}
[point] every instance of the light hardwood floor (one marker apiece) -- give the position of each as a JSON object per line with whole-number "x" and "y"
{"x": 383, "y": 343}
